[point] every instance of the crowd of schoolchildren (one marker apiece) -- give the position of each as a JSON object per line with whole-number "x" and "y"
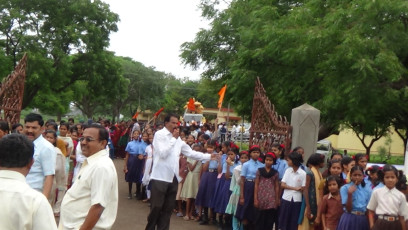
{"x": 273, "y": 190}
{"x": 254, "y": 189}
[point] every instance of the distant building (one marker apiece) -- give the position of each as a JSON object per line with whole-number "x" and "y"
{"x": 223, "y": 115}
{"x": 348, "y": 140}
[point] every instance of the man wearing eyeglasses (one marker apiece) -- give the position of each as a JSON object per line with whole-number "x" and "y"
{"x": 92, "y": 201}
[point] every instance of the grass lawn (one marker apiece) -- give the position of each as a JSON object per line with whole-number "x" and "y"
{"x": 394, "y": 160}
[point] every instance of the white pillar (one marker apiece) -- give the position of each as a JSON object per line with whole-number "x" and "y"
{"x": 305, "y": 122}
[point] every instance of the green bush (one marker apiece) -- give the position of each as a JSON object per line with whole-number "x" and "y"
{"x": 382, "y": 153}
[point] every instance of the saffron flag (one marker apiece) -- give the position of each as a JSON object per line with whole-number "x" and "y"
{"x": 191, "y": 105}
{"x": 158, "y": 112}
{"x": 135, "y": 116}
{"x": 221, "y": 93}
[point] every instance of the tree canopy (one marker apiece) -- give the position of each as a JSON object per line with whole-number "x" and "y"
{"x": 59, "y": 37}
{"x": 347, "y": 58}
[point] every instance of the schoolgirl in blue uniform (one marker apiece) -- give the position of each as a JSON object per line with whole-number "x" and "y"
{"x": 221, "y": 173}
{"x": 347, "y": 163}
{"x": 245, "y": 209}
{"x": 281, "y": 164}
{"x": 374, "y": 177}
{"x": 355, "y": 197}
{"x": 207, "y": 183}
{"x": 130, "y": 168}
{"x": 223, "y": 194}
{"x": 220, "y": 181}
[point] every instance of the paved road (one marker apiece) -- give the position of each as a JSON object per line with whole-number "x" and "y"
{"x": 132, "y": 214}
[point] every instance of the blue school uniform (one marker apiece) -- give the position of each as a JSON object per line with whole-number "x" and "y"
{"x": 213, "y": 165}
{"x": 356, "y": 219}
{"x": 372, "y": 186}
{"x": 222, "y": 191}
{"x": 250, "y": 168}
{"x": 220, "y": 181}
{"x": 206, "y": 188}
{"x": 380, "y": 185}
{"x": 142, "y": 148}
{"x": 280, "y": 166}
{"x": 132, "y": 149}
{"x": 223, "y": 158}
{"x": 248, "y": 171}
{"x": 140, "y": 162}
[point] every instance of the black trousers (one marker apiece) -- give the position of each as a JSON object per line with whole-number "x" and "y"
{"x": 265, "y": 219}
{"x": 162, "y": 200}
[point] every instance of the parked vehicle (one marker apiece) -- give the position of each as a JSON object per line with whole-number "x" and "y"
{"x": 241, "y": 132}
{"x": 324, "y": 147}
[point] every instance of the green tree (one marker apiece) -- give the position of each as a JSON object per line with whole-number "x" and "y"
{"x": 207, "y": 93}
{"x": 349, "y": 60}
{"x": 177, "y": 93}
{"x": 144, "y": 88}
{"x": 50, "y": 31}
{"x": 102, "y": 82}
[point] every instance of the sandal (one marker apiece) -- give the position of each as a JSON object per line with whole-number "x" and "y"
{"x": 186, "y": 218}
{"x": 179, "y": 214}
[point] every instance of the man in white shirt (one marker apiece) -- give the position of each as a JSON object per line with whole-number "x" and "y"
{"x": 22, "y": 208}
{"x": 92, "y": 201}
{"x": 167, "y": 147}
{"x": 41, "y": 175}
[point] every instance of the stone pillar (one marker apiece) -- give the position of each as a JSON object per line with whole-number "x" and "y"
{"x": 305, "y": 122}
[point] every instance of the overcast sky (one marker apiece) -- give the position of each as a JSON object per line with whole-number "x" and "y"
{"x": 151, "y": 32}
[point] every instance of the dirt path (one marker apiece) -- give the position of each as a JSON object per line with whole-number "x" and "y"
{"x": 132, "y": 214}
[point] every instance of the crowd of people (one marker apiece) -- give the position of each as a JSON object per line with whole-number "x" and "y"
{"x": 184, "y": 170}
{"x": 40, "y": 161}
{"x": 251, "y": 189}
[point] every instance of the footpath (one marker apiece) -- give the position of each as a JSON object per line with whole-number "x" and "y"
{"x": 132, "y": 214}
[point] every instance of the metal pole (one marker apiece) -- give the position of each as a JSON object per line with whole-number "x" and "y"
{"x": 242, "y": 132}
{"x": 228, "y": 114}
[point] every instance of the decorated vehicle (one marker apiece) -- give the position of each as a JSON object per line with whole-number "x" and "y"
{"x": 193, "y": 112}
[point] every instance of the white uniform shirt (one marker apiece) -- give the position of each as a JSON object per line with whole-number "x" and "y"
{"x": 96, "y": 183}
{"x": 23, "y": 208}
{"x": 166, "y": 155}
{"x": 390, "y": 202}
{"x": 293, "y": 179}
{"x": 148, "y": 165}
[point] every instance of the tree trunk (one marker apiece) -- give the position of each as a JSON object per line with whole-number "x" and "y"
{"x": 404, "y": 139}
{"x": 368, "y": 150}
{"x": 113, "y": 117}
{"x": 59, "y": 115}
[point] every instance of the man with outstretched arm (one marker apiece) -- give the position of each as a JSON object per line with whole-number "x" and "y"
{"x": 167, "y": 146}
